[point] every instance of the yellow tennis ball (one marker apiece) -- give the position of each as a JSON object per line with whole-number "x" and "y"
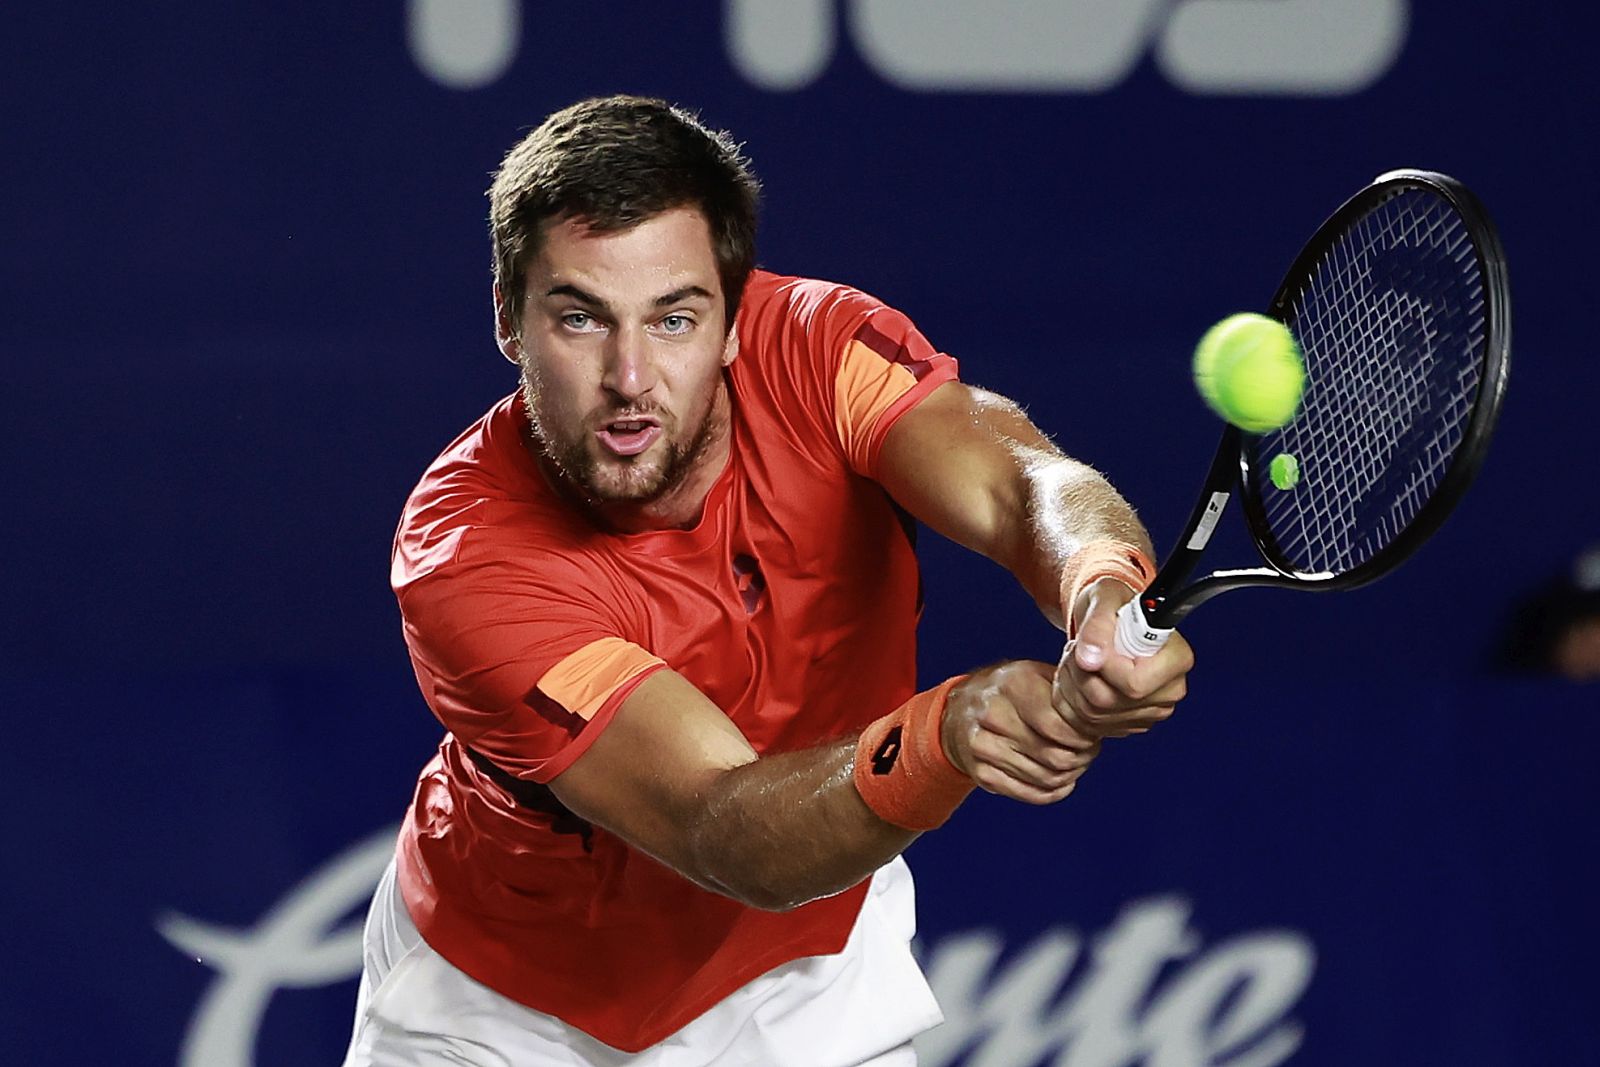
{"x": 1248, "y": 369}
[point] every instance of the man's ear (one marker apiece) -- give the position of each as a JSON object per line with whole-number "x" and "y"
{"x": 730, "y": 348}
{"x": 505, "y": 333}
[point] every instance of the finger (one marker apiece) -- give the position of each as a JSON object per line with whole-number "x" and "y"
{"x": 1127, "y": 723}
{"x": 1119, "y": 723}
{"x": 1047, "y": 770}
{"x": 990, "y": 697}
{"x": 1088, "y": 692}
{"x": 1026, "y": 744}
{"x": 1125, "y": 696}
{"x": 1035, "y": 724}
{"x": 994, "y": 781}
{"x": 1093, "y": 708}
{"x": 1173, "y": 658}
{"x": 1035, "y": 731}
{"x": 1022, "y": 708}
{"x": 1140, "y": 680}
{"x": 1097, "y": 695}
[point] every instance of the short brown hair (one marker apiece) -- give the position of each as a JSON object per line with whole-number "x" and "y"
{"x": 613, "y": 162}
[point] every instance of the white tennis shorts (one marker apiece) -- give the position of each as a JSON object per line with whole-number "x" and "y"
{"x": 859, "y": 1007}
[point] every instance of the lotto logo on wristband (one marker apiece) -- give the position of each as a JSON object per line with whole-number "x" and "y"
{"x": 884, "y": 758}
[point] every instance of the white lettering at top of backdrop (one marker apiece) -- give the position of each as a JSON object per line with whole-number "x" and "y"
{"x": 1231, "y": 47}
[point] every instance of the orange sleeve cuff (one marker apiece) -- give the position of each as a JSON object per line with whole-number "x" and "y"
{"x": 871, "y": 392}
{"x": 585, "y": 680}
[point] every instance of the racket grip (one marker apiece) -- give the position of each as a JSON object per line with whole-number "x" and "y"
{"x": 1135, "y": 636}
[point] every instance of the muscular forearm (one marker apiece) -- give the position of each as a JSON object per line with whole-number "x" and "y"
{"x": 788, "y": 828}
{"x": 970, "y": 464}
{"x": 674, "y": 777}
{"x": 1060, "y": 505}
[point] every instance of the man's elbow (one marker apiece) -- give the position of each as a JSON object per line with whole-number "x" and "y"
{"x": 781, "y": 899}
{"x": 769, "y": 890}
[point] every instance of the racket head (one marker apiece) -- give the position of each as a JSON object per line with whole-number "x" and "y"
{"x": 1401, "y": 304}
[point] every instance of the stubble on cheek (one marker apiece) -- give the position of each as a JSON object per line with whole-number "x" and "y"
{"x": 567, "y": 443}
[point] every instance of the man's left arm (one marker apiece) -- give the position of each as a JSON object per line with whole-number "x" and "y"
{"x": 971, "y": 465}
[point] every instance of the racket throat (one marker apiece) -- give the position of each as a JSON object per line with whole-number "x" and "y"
{"x": 1221, "y": 480}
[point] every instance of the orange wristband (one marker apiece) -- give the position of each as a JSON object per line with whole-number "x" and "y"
{"x": 901, "y": 769}
{"x": 1102, "y": 559}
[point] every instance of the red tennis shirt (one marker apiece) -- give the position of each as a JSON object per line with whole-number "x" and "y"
{"x": 791, "y": 604}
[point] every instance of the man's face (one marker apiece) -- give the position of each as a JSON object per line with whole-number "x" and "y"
{"x": 622, "y": 344}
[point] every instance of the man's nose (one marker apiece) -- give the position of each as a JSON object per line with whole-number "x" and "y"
{"x": 629, "y": 371}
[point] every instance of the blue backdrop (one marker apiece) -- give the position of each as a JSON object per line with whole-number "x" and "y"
{"x": 248, "y": 300}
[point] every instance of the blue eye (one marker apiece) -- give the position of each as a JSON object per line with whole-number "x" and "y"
{"x": 577, "y": 320}
{"x": 676, "y": 324}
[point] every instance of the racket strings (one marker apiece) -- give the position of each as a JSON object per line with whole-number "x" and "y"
{"x": 1392, "y": 324}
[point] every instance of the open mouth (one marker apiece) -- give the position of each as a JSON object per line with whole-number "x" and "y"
{"x": 628, "y": 437}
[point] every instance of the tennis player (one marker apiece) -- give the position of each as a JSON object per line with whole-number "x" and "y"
{"x": 663, "y": 599}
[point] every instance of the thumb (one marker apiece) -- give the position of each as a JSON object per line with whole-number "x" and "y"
{"x": 1098, "y": 627}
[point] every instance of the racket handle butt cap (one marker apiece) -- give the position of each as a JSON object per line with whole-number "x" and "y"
{"x": 1135, "y": 636}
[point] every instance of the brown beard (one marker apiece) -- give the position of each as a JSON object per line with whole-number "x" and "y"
{"x": 578, "y": 468}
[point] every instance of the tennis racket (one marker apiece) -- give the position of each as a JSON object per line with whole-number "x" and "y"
{"x": 1402, "y": 309}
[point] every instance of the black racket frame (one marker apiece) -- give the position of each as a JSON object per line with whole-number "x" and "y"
{"x": 1167, "y": 601}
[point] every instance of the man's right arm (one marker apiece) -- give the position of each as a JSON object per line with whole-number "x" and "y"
{"x": 672, "y": 776}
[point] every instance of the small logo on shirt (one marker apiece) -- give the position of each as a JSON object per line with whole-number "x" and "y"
{"x": 747, "y": 578}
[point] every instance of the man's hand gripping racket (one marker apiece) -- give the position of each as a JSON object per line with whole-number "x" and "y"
{"x": 1401, "y": 307}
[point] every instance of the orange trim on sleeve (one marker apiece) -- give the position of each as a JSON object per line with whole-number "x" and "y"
{"x": 867, "y": 386}
{"x": 585, "y": 680}
{"x": 602, "y": 718}
{"x": 944, "y": 370}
